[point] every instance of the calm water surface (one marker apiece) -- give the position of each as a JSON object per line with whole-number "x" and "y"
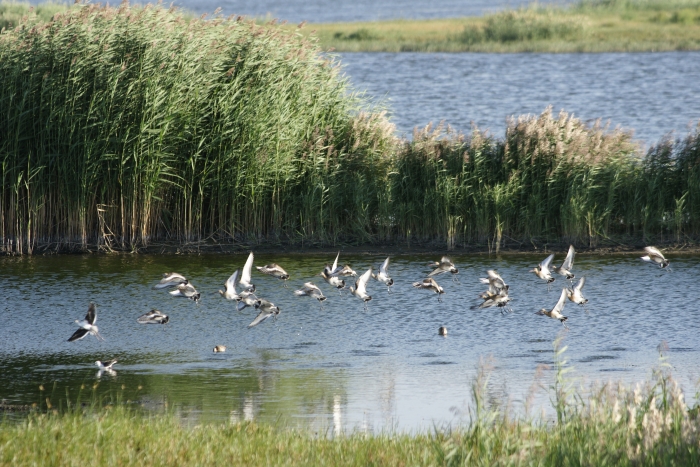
{"x": 339, "y": 368}
{"x": 650, "y": 93}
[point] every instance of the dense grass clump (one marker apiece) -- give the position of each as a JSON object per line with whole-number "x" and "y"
{"x": 123, "y": 128}
{"x": 125, "y": 125}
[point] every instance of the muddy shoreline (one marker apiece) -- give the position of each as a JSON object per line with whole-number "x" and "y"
{"x": 604, "y": 247}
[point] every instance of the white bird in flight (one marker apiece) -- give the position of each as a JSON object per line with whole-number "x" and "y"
{"x": 360, "y": 289}
{"x": 430, "y": 284}
{"x": 153, "y": 317}
{"x": 383, "y": 275}
{"x": 655, "y": 256}
{"x": 245, "y": 274}
{"x": 565, "y": 268}
{"x": 170, "y": 279}
{"x": 87, "y": 326}
{"x": 555, "y": 313}
{"x": 542, "y": 270}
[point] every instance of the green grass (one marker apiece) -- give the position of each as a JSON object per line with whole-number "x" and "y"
{"x": 124, "y": 128}
{"x": 589, "y": 26}
{"x": 614, "y": 425}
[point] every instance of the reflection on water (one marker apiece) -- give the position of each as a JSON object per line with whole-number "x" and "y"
{"x": 650, "y": 93}
{"x": 338, "y": 368}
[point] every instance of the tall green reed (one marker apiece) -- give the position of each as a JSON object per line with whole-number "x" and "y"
{"x": 124, "y": 127}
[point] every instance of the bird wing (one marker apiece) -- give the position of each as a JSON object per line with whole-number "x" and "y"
{"x": 240, "y": 305}
{"x": 439, "y": 270}
{"x": 384, "y": 266}
{"x": 361, "y": 283}
{"x": 262, "y": 316}
{"x": 91, "y": 316}
{"x": 653, "y": 251}
{"x": 559, "y": 307}
{"x": 311, "y": 286}
{"x": 569, "y": 261}
{"x": 446, "y": 260}
{"x": 245, "y": 275}
{"x": 232, "y": 281}
{"x": 334, "y": 269}
{"x": 547, "y": 261}
{"x": 77, "y": 335}
{"x": 580, "y": 284}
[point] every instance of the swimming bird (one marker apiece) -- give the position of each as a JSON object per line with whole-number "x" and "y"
{"x": 186, "y": 290}
{"x": 444, "y": 265}
{"x": 153, "y": 317}
{"x": 655, "y": 256}
{"x": 248, "y": 299}
{"x": 430, "y": 284}
{"x": 360, "y": 289}
{"x": 442, "y": 331}
{"x": 335, "y": 281}
{"x": 108, "y": 366}
{"x": 274, "y": 270}
{"x": 101, "y": 368}
{"x": 565, "y": 268}
{"x": 555, "y": 312}
{"x": 170, "y": 279}
{"x": 267, "y": 309}
{"x": 219, "y": 349}
{"x": 87, "y": 326}
{"x": 383, "y": 275}
{"x": 542, "y": 270}
{"x": 310, "y": 290}
{"x": 500, "y": 300}
{"x": 574, "y": 293}
{"x": 245, "y": 274}
{"x": 229, "y": 292}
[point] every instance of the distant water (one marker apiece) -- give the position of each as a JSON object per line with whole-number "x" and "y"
{"x": 326, "y": 11}
{"x": 651, "y": 93}
{"x": 339, "y": 367}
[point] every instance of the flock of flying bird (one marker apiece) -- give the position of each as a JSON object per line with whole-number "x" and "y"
{"x": 495, "y": 296}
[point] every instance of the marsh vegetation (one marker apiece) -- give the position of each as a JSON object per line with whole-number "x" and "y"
{"x": 123, "y": 128}
{"x": 649, "y": 424}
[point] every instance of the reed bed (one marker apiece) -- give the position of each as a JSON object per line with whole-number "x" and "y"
{"x": 123, "y": 128}
{"x": 611, "y": 424}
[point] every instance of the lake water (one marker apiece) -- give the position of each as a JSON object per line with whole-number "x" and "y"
{"x": 339, "y": 368}
{"x": 328, "y": 11}
{"x": 650, "y": 93}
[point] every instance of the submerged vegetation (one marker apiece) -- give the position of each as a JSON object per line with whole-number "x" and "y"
{"x": 649, "y": 424}
{"x": 124, "y": 128}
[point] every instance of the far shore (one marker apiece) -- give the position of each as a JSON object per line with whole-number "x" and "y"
{"x": 602, "y": 248}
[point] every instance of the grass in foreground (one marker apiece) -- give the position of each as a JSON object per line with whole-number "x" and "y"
{"x": 615, "y": 425}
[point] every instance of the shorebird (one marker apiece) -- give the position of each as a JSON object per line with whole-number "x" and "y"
{"x": 229, "y": 292}
{"x": 335, "y": 281}
{"x": 654, "y": 256}
{"x": 274, "y": 270}
{"x": 495, "y": 282}
{"x": 565, "y": 268}
{"x": 499, "y": 300}
{"x": 442, "y": 331}
{"x": 332, "y": 270}
{"x": 442, "y": 266}
{"x": 219, "y": 349}
{"x": 383, "y": 275}
{"x": 248, "y": 299}
{"x": 337, "y": 271}
{"x": 105, "y": 367}
{"x": 310, "y": 290}
{"x": 555, "y": 312}
{"x": 245, "y": 274}
{"x": 153, "y": 317}
{"x": 87, "y": 326}
{"x": 267, "y": 309}
{"x": 574, "y": 293}
{"x": 101, "y": 368}
{"x": 360, "y": 289}
{"x": 186, "y": 290}
{"x": 542, "y": 270}
{"x": 170, "y": 279}
{"x": 430, "y": 284}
